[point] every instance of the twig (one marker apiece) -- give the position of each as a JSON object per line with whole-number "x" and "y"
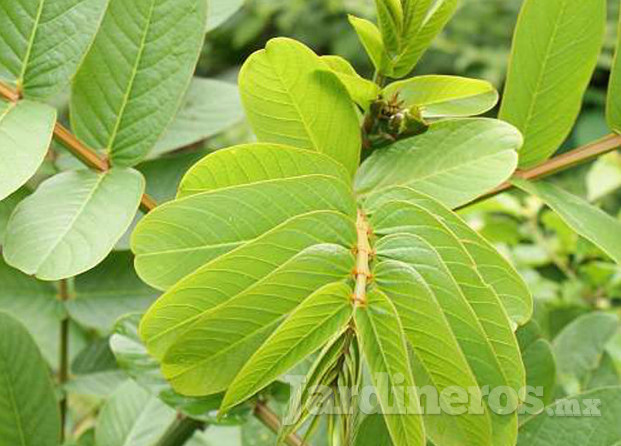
{"x": 63, "y": 363}
{"x": 85, "y": 154}
{"x": 270, "y": 419}
{"x": 180, "y": 431}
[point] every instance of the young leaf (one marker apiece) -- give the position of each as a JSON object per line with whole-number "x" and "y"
{"x": 292, "y": 97}
{"x": 132, "y": 417}
{"x": 587, "y": 220}
{"x": 42, "y": 42}
{"x": 390, "y": 16}
{"x": 123, "y": 104}
{"x": 454, "y": 162}
{"x": 361, "y": 90}
{"x": 418, "y": 39}
{"x": 29, "y": 414}
{"x": 555, "y": 50}
{"x": 210, "y": 107}
{"x": 579, "y": 348}
{"x": 381, "y": 337}
{"x": 445, "y": 96}
{"x": 588, "y": 419}
{"x": 613, "y": 105}
{"x": 72, "y": 222}
{"x": 107, "y": 292}
{"x": 26, "y": 131}
{"x": 371, "y": 39}
{"x": 309, "y": 327}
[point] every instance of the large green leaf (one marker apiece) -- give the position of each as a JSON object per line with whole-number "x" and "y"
{"x": 613, "y": 106}
{"x": 382, "y": 340}
{"x": 307, "y": 329}
{"x": 588, "y": 419}
{"x": 555, "y": 50}
{"x": 34, "y": 304}
{"x": 132, "y": 417}
{"x": 42, "y": 42}
{"x": 361, "y": 90}
{"x": 584, "y": 218}
{"x": 210, "y": 107}
{"x": 455, "y": 161}
{"x": 445, "y": 96}
{"x": 26, "y": 131}
{"x": 123, "y": 104}
{"x": 579, "y": 348}
{"x": 107, "y": 292}
{"x": 291, "y": 97}
{"x": 72, "y": 222}
{"x": 29, "y": 414}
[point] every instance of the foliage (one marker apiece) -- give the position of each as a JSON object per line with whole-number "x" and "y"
{"x": 355, "y": 240}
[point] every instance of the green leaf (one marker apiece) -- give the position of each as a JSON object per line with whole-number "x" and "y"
{"x": 445, "y": 96}
{"x": 495, "y": 270}
{"x": 454, "y": 162}
{"x": 34, "y": 304}
{"x": 587, "y": 220}
{"x": 416, "y": 238}
{"x": 42, "y": 42}
{"x": 539, "y": 362}
{"x": 579, "y": 347}
{"x": 309, "y": 327}
{"x": 210, "y": 107}
{"x": 124, "y": 104}
{"x": 132, "y": 357}
{"x": 72, "y": 222}
{"x": 381, "y": 337}
{"x": 107, "y": 292}
{"x": 291, "y": 97}
{"x": 371, "y": 39}
{"x": 132, "y": 417}
{"x": 361, "y": 90}
{"x": 613, "y": 105}
{"x": 165, "y": 253}
{"x": 219, "y": 11}
{"x": 555, "y": 51}
{"x": 390, "y": 17}
{"x": 6, "y": 209}
{"x": 605, "y": 375}
{"x": 26, "y": 131}
{"x": 265, "y": 248}
{"x": 588, "y": 419}
{"x": 29, "y": 414}
{"x": 372, "y": 431}
{"x": 419, "y": 39}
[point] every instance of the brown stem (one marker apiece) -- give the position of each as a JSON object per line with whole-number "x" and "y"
{"x": 85, "y": 154}
{"x": 560, "y": 163}
{"x": 363, "y": 254}
{"x": 270, "y": 419}
{"x": 63, "y": 364}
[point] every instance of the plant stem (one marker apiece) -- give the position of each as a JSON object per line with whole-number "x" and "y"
{"x": 85, "y": 154}
{"x": 180, "y": 431}
{"x": 270, "y": 419}
{"x": 63, "y": 364}
{"x": 363, "y": 254}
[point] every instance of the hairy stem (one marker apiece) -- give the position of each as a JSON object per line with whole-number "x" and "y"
{"x": 85, "y": 154}
{"x": 271, "y": 421}
{"x": 63, "y": 363}
{"x": 363, "y": 255}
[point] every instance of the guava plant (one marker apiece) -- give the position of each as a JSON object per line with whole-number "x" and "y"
{"x": 329, "y": 248}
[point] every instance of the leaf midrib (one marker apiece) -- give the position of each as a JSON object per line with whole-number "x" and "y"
{"x": 31, "y": 41}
